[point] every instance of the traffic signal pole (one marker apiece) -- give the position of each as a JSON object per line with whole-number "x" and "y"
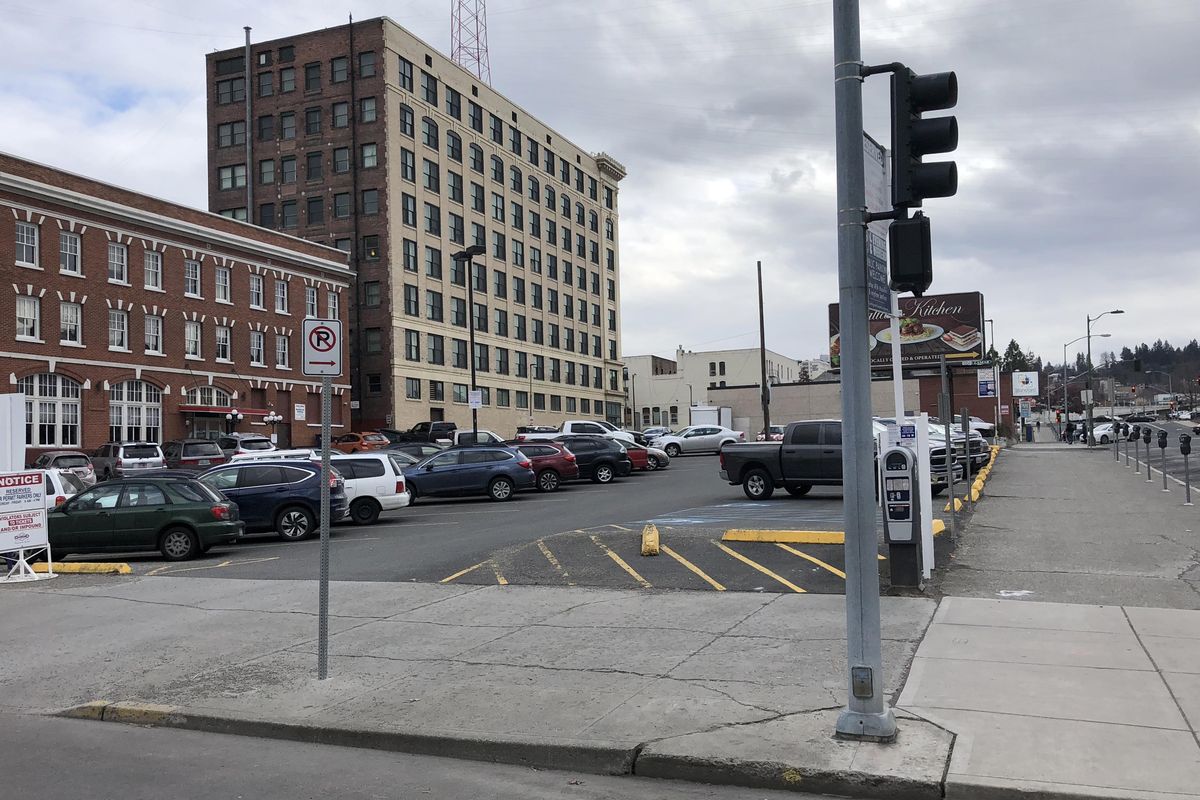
{"x": 866, "y": 716}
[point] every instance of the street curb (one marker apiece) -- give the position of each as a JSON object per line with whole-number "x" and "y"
{"x": 800, "y": 537}
{"x": 594, "y": 758}
{"x": 774, "y": 775}
{"x": 85, "y": 568}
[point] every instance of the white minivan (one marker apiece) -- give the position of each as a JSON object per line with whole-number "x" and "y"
{"x": 374, "y": 482}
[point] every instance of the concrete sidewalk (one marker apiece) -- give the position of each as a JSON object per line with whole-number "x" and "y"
{"x": 736, "y": 688}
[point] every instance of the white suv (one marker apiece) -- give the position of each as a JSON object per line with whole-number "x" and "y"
{"x": 374, "y": 483}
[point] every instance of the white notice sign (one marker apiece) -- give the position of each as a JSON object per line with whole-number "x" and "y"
{"x": 22, "y": 511}
{"x": 475, "y": 398}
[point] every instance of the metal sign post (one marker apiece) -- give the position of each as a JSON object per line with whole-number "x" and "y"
{"x": 323, "y": 357}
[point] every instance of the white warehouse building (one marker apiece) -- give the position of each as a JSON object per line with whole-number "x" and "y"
{"x": 662, "y": 391}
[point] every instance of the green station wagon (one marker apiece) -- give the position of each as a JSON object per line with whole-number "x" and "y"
{"x": 179, "y": 517}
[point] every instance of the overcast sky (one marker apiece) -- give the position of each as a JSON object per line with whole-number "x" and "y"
{"x": 1079, "y": 156}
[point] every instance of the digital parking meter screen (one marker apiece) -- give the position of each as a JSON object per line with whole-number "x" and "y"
{"x": 897, "y": 485}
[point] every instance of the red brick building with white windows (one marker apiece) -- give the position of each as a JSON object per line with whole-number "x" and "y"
{"x": 138, "y": 319}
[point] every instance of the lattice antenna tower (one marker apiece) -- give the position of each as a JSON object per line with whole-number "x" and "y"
{"x": 468, "y": 37}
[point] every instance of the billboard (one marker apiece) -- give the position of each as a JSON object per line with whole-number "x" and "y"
{"x": 1025, "y": 384}
{"x": 933, "y": 326}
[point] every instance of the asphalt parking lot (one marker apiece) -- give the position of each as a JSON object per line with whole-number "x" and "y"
{"x": 584, "y": 535}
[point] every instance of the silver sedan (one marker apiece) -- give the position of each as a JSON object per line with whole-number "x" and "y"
{"x": 698, "y": 439}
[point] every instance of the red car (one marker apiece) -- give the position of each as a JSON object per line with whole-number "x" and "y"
{"x": 639, "y": 456}
{"x": 354, "y": 442}
{"x": 552, "y": 463}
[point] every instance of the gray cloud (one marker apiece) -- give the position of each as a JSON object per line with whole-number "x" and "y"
{"x": 1079, "y": 156}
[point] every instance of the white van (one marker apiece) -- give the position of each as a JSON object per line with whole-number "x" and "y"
{"x": 374, "y": 482}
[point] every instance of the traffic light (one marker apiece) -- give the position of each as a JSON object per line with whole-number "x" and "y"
{"x": 914, "y": 137}
{"x": 911, "y": 255}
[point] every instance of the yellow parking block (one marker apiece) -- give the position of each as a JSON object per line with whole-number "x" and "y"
{"x": 784, "y": 537}
{"x": 958, "y": 504}
{"x": 85, "y": 568}
{"x": 939, "y": 527}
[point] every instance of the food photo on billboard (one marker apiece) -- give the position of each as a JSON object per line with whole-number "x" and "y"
{"x": 933, "y": 326}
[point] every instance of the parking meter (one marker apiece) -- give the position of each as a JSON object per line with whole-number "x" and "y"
{"x": 1124, "y": 430}
{"x": 1162, "y": 440}
{"x": 1146, "y": 431}
{"x": 1185, "y": 448}
{"x": 901, "y": 514}
{"x": 1137, "y": 438}
{"x": 1162, "y": 447}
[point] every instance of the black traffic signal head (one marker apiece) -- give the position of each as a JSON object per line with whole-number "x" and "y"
{"x": 914, "y": 137}
{"x": 911, "y": 255}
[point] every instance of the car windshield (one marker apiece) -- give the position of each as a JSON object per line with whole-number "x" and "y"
{"x": 256, "y": 444}
{"x": 375, "y": 438}
{"x": 401, "y": 460}
{"x": 195, "y": 449}
{"x": 140, "y": 451}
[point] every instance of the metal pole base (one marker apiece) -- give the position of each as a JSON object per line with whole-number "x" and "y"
{"x": 864, "y": 727}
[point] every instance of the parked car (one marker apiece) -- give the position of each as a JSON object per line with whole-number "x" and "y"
{"x": 282, "y": 496}
{"x": 637, "y": 455}
{"x": 655, "y": 458}
{"x": 810, "y": 455}
{"x": 655, "y": 430}
{"x": 374, "y": 483}
{"x": 982, "y": 426}
{"x": 76, "y": 462}
{"x": 437, "y": 431}
{"x": 238, "y": 443}
{"x": 1103, "y": 432}
{"x": 600, "y": 459}
{"x": 126, "y": 459}
{"x": 417, "y": 449}
{"x": 194, "y": 454}
{"x": 497, "y": 472}
{"x": 698, "y": 439}
{"x": 774, "y": 433}
{"x": 357, "y": 442}
{"x": 466, "y": 436}
{"x": 61, "y": 485}
{"x": 1138, "y": 418}
{"x": 578, "y": 426}
{"x": 552, "y": 463}
{"x": 179, "y": 517}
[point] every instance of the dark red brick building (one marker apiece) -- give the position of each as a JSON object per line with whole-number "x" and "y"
{"x": 139, "y": 319}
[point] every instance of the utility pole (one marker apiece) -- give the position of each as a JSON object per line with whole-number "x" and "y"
{"x": 866, "y": 715}
{"x": 762, "y": 361}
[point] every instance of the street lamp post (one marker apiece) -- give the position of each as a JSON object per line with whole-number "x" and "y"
{"x": 465, "y": 256}
{"x": 232, "y": 419}
{"x": 1091, "y": 438}
{"x": 996, "y": 380}
{"x": 273, "y": 419}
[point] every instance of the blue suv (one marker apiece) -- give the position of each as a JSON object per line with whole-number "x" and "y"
{"x": 497, "y": 472}
{"x": 280, "y": 496}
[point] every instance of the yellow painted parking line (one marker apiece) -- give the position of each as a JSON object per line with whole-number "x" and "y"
{"x": 84, "y": 567}
{"x": 693, "y": 568}
{"x": 500, "y": 579}
{"x": 621, "y": 563}
{"x": 787, "y": 537}
{"x": 168, "y": 570}
{"x": 760, "y": 568}
{"x": 814, "y": 560}
{"x": 462, "y": 572}
{"x": 554, "y": 561}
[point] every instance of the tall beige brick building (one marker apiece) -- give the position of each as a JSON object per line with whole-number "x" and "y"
{"x": 366, "y": 138}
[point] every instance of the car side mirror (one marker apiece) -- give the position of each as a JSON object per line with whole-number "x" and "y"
{"x": 429, "y": 467}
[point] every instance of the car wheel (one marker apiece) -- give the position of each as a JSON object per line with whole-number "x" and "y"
{"x": 757, "y": 484}
{"x": 1103, "y": 440}
{"x": 604, "y": 473}
{"x": 547, "y": 480}
{"x": 294, "y": 523}
{"x": 364, "y": 511}
{"x": 672, "y": 450}
{"x": 799, "y": 491}
{"x": 652, "y": 462}
{"x": 500, "y": 489}
{"x": 179, "y": 544}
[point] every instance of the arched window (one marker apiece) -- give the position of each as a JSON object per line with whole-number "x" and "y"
{"x": 208, "y": 396}
{"x": 514, "y": 179}
{"x": 51, "y": 410}
{"x": 134, "y": 412}
{"x": 429, "y": 132}
{"x": 535, "y": 189}
{"x": 477, "y": 158}
{"x": 406, "y": 120}
{"x": 497, "y": 169}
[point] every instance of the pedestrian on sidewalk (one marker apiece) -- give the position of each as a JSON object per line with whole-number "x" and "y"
{"x": 1070, "y": 433}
